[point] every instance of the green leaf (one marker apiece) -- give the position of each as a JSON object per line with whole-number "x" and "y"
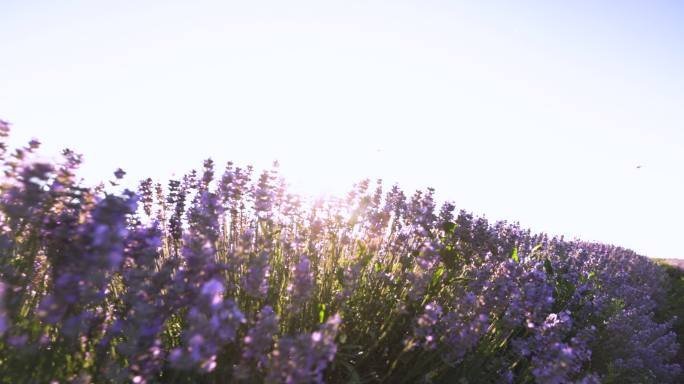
{"x": 515, "y": 255}
{"x": 437, "y": 275}
{"x": 617, "y": 305}
{"x": 366, "y": 259}
{"x": 563, "y": 293}
{"x": 321, "y": 313}
{"x": 449, "y": 227}
{"x": 548, "y": 267}
{"x": 362, "y": 247}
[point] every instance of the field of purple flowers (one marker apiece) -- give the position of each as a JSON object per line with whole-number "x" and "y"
{"x": 226, "y": 277}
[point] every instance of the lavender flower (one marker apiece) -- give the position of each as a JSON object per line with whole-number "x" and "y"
{"x": 303, "y": 359}
{"x": 302, "y": 284}
{"x": 4, "y": 320}
{"x": 236, "y": 280}
{"x": 255, "y": 281}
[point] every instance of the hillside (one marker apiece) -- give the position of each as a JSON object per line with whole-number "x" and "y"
{"x": 678, "y": 263}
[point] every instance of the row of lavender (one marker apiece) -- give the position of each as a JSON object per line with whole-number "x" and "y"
{"x": 232, "y": 279}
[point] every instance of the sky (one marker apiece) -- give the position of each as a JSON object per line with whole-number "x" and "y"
{"x": 536, "y": 112}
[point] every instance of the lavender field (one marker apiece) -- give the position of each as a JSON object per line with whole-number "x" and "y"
{"x": 223, "y": 276}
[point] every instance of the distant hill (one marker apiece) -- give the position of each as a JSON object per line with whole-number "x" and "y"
{"x": 679, "y": 263}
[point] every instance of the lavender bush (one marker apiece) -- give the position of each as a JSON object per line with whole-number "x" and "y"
{"x": 232, "y": 279}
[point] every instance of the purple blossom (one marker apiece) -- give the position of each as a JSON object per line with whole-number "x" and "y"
{"x": 303, "y": 359}
{"x": 302, "y": 283}
{"x": 238, "y": 284}
{"x": 255, "y": 281}
{"x": 4, "y": 320}
{"x": 258, "y": 343}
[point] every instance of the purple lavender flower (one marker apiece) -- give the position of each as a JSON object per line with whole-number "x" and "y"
{"x": 4, "y": 320}
{"x": 427, "y": 330}
{"x": 255, "y": 281}
{"x": 95, "y": 292}
{"x": 304, "y": 358}
{"x": 302, "y": 283}
{"x": 258, "y": 344}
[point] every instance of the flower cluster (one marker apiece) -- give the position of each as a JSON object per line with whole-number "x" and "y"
{"x": 232, "y": 279}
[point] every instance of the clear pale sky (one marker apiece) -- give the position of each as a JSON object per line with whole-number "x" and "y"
{"x": 537, "y": 112}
